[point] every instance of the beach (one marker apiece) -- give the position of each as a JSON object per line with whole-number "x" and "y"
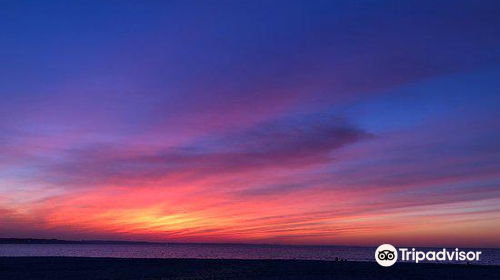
{"x": 70, "y": 268}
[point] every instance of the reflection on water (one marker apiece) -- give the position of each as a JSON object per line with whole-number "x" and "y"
{"x": 210, "y": 251}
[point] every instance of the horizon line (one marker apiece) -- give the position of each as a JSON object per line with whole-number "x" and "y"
{"x": 124, "y": 242}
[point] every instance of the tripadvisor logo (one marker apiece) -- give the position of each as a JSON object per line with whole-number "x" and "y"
{"x": 387, "y": 255}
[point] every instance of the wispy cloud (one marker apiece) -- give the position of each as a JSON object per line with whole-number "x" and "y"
{"x": 300, "y": 123}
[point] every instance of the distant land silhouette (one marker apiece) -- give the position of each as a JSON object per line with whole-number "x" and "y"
{"x": 58, "y": 241}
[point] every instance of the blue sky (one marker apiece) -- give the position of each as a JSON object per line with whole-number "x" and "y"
{"x": 293, "y": 122}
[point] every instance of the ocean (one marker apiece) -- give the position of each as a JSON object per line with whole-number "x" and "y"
{"x": 214, "y": 251}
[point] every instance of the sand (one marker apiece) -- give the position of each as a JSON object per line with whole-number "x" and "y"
{"x": 65, "y": 268}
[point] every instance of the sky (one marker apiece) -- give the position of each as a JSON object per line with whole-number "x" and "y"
{"x": 276, "y": 122}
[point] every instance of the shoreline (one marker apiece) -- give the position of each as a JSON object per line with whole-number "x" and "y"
{"x": 86, "y": 268}
{"x": 243, "y": 259}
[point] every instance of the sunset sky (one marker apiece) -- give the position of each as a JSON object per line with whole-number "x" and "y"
{"x": 283, "y": 122}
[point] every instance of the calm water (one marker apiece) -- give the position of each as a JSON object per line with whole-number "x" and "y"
{"x": 211, "y": 251}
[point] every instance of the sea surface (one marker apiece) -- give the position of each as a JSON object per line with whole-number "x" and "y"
{"x": 215, "y": 251}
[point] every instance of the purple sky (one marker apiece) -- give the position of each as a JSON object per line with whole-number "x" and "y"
{"x": 314, "y": 122}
